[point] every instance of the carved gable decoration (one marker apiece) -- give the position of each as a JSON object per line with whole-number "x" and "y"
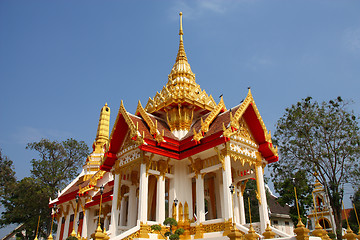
{"x": 243, "y": 134}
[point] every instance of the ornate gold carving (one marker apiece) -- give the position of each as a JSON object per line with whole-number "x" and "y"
{"x": 180, "y": 117}
{"x": 153, "y": 127}
{"x": 205, "y": 124}
{"x": 134, "y": 133}
{"x": 92, "y": 183}
{"x": 196, "y": 165}
{"x": 220, "y": 157}
{"x": 149, "y": 162}
{"x": 216, "y": 227}
{"x": 132, "y": 236}
{"x": 234, "y": 120}
{"x": 199, "y": 231}
{"x": 144, "y": 230}
{"x": 228, "y": 227}
{"x": 163, "y": 167}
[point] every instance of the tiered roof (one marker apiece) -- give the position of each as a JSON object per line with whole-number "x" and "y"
{"x": 182, "y": 120}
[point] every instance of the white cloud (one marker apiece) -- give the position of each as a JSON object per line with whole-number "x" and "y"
{"x": 351, "y": 39}
{"x": 26, "y": 134}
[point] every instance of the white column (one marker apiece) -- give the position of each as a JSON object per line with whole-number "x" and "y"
{"x": 114, "y": 211}
{"x": 106, "y": 223}
{"x": 228, "y": 211}
{"x": 172, "y": 196}
{"x": 132, "y": 206}
{"x": 66, "y": 228}
{"x": 85, "y": 224}
{"x": 236, "y": 206}
{"x": 218, "y": 194}
{"x": 200, "y": 201}
{"x": 263, "y": 211}
{"x": 143, "y": 194}
{"x": 160, "y": 200}
{"x": 242, "y": 208}
{"x": 123, "y": 211}
{"x": 59, "y": 227}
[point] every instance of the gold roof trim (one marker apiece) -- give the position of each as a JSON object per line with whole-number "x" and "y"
{"x": 92, "y": 183}
{"x": 205, "y": 124}
{"x": 181, "y": 86}
{"x": 153, "y": 127}
{"x": 134, "y": 133}
{"x": 234, "y": 120}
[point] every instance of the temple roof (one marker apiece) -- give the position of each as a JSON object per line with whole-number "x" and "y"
{"x": 183, "y": 120}
{"x": 181, "y": 87}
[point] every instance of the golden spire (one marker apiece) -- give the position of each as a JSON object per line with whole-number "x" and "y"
{"x": 181, "y": 66}
{"x": 102, "y": 135}
{"x": 181, "y": 86}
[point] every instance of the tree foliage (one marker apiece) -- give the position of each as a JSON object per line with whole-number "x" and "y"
{"x": 284, "y": 185}
{"x": 7, "y": 173}
{"x": 58, "y": 162}
{"x": 24, "y": 201}
{"x": 324, "y": 137}
{"x": 249, "y": 194}
{"x": 27, "y": 200}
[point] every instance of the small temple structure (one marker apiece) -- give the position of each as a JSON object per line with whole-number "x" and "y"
{"x": 321, "y": 212}
{"x": 183, "y": 156}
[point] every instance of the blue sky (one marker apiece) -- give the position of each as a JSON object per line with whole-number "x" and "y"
{"x": 60, "y": 61}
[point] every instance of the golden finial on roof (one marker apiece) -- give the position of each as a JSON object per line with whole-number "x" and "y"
{"x": 181, "y": 33}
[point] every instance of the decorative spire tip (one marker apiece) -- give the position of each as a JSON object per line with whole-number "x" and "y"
{"x": 181, "y": 28}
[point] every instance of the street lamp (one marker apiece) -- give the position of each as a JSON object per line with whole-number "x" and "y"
{"x": 231, "y": 187}
{"x": 101, "y": 193}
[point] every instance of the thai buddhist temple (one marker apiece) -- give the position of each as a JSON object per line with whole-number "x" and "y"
{"x": 181, "y": 155}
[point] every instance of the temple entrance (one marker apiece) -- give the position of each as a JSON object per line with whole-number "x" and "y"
{"x": 152, "y": 201}
{"x": 324, "y": 223}
{"x": 210, "y": 196}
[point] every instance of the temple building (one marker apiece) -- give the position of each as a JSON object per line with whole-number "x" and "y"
{"x": 322, "y": 212}
{"x": 180, "y": 155}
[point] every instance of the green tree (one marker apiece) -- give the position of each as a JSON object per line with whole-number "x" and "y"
{"x": 171, "y": 222}
{"x": 324, "y": 137}
{"x": 7, "y": 173}
{"x": 25, "y": 200}
{"x": 284, "y": 180}
{"x": 250, "y": 194}
{"x": 58, "y": 163}
{"x": 23, "y": 203}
